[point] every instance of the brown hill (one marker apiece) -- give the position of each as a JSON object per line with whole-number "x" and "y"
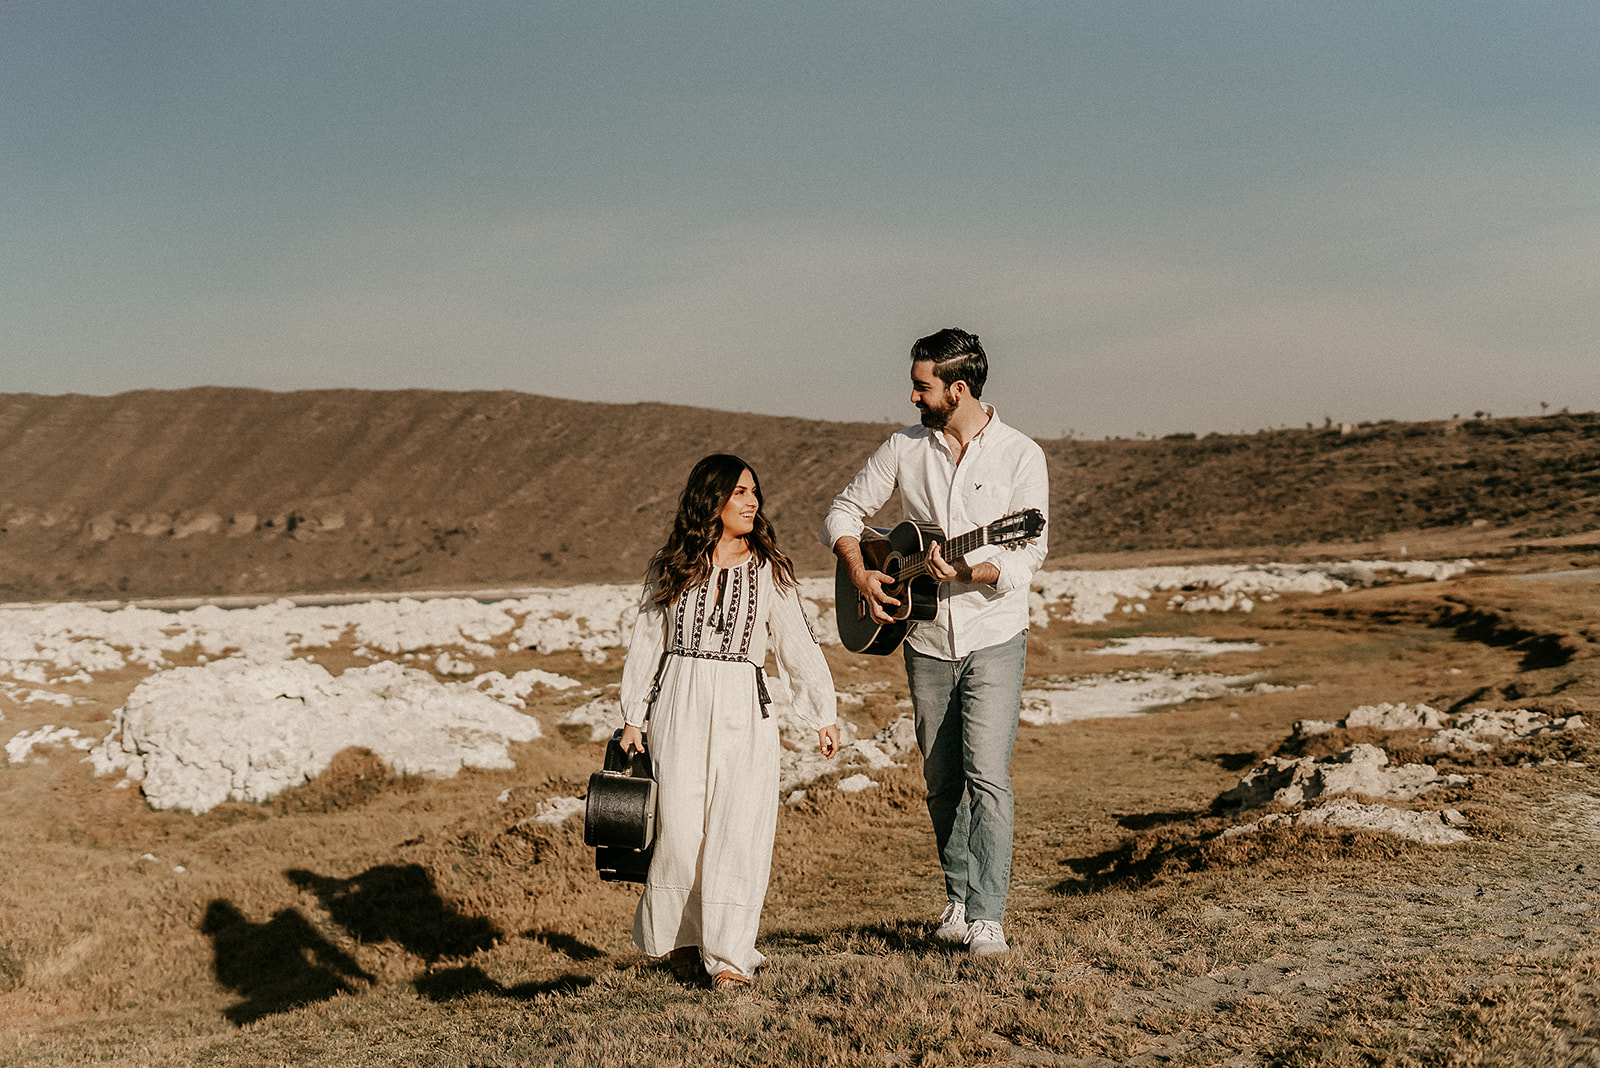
{"x": 1537, "y": 476}
{"x": 208, "y": 491}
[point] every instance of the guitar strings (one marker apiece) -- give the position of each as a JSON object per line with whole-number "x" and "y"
{"x": 959, "y": 546}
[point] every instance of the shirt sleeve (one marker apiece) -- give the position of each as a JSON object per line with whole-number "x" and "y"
{"x": 801, "y": 664}
{"x": 644, "y": 657}
{"x": 1030, "y": 488}
{"x": 865, "y": 494}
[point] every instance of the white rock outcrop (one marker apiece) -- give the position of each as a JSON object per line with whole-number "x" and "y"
{"x": 1382, "y": 717}
{"x": 236, "y": 730}
{"x": 602, "y": 715}
{"x": 39, "y": 640}
{"x": 558, "y": 809}
{"x": 1120, "y": 693}
{"x": 1364, "y": 769}
{"x": 22, "y": 747}
{"x": 1400, "y": 717}
{"x": 1360, "y": 769}
{"x": 1429, "y": 827}
{"x": 1093, "y": 595}
{"x": 513, "y": 690}
{"x": 1481, "y": 729}
{"x": 1174, "y": 645}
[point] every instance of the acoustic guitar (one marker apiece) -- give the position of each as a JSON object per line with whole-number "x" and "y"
{"x": 902, "y": 554}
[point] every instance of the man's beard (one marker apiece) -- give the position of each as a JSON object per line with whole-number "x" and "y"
{"x": 936, "y": 418}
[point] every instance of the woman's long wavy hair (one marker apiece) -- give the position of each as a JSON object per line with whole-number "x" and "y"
{"x": 685, "y": 560}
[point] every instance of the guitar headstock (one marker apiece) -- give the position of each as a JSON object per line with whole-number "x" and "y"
{"x": 1017, "y": 529}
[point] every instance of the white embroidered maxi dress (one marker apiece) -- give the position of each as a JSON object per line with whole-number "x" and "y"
{"x": 714, "y": 747}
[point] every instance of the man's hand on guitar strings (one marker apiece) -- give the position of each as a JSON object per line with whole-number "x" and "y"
{"x": 944, "y": 571}
{"x": 874, "y": 594}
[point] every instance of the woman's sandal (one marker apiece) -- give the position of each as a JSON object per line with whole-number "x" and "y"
{"x": 685, "y": 963}
{"x": 730, "y": 981}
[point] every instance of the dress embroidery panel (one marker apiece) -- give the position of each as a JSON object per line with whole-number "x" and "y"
{"x": 721, "y": 608}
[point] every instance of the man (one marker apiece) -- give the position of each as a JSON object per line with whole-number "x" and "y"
{"x": 962, "y": 468}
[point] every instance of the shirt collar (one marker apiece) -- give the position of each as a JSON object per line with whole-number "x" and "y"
{"x": 993, "y": 419}
{"x": 978, "y": 438}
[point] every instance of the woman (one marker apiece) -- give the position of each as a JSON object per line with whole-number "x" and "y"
{"x": 714, "y": 595}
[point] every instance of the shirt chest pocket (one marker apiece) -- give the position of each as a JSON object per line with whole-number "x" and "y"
{"x": 983, "y": 501}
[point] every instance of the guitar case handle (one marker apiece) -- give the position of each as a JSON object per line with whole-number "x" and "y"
{"x": 620, "y": 762}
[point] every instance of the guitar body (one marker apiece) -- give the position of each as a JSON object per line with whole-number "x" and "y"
{"x": 919, "y": 598}
{"x": 902, "y": 555}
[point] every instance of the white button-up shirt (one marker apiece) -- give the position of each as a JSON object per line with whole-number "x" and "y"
{"x": 1003, "y": 471}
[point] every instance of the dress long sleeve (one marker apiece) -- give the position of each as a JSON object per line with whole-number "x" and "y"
{"x": 644, "y": 656}
{"x": 801, "y": 664}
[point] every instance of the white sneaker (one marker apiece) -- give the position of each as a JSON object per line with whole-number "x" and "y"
{"x": 952, "y": 923}
{"x": 986, "y": 938}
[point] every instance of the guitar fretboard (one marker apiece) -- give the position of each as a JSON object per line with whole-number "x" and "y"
{"x": 956, "y": 548}
{"x": 953, "y": 550}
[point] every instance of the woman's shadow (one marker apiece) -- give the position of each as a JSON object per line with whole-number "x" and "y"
{"x": 275, "y": 965}
{"x": 398, "y": 903}
{"x": 285, "y": 962}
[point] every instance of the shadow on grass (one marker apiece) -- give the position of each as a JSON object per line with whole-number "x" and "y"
{"x": 1111, "y": 867}
{"x": 795, "y": 940}
{"x": 564, "y": 944}
{"x": 1234, "y": 761}
{"x": 398, "y": 903}
{"x": 1143, "y": 821}
{"x": 452, "y": 984}
{"x": 907, "y": 937}
{"x": 901, "y": 936}
{"x": 1169, "y": 853}
{"x": 276, "y": 965}
{"x": 1150, "y": 857}
{"x": 1540, "y": 649}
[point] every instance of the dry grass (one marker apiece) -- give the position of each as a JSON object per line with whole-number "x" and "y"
{"x": 367, "y": 920}
{"x": 1532, "y": 1011}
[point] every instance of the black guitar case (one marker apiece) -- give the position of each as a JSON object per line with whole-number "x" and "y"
{"x": 619, "y": 817}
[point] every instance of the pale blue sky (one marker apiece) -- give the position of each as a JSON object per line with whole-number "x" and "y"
{"x": 1160, "y": 217}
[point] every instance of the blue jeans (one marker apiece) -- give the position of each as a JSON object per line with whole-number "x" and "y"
{"x": 966, "y": 713}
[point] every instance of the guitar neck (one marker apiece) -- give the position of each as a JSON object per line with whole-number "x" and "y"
{"x": 956, "y": 548}
{"x": 953, "y": 550}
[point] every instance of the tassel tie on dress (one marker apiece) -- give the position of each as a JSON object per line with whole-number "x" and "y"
{"x": 719, "y": 620}
{"x": 727, "y": 658}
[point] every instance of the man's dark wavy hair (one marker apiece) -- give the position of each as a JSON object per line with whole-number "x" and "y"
{"x": 685, "y": 560}
{"x": 956, "y": 356}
